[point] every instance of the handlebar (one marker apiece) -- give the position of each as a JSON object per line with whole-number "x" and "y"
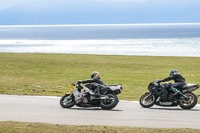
{"x": 74, "y": 83}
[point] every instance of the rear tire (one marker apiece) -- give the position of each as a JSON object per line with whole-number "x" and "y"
{"x": 67, "y": 101}
{"x": 110, "y": 103}
{"x": 147, "y": 102}
{"x": 190, "y": 103}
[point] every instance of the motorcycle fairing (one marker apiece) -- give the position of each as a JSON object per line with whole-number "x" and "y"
{"x": 189, "y": 87}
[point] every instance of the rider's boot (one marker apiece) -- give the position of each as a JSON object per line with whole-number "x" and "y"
{"x": 97, "y": 94}
{"x": 176, "y": 91}
{"x": 180, "y": 94}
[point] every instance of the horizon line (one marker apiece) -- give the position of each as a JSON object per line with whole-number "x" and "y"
{"x": 89, "y": 25}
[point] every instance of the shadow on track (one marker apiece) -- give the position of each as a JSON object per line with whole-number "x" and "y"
{"x": 172, "y": 109}
{"x": 94, "y": 109}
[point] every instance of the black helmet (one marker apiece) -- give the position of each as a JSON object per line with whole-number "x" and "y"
{"x": 95, "y": 74}
{"x": 173, "y": 72}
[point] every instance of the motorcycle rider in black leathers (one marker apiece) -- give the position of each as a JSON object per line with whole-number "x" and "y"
{"x": 178, "y": 79}
{"x": 97, "y": 82}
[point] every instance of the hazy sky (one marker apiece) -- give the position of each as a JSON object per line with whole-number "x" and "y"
{"x": 22, "y": 12}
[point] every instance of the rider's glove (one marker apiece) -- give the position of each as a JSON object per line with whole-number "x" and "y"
{"x": 79, "y": 82}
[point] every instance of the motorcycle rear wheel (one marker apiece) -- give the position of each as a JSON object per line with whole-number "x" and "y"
{"x": 67, "y": 101}
{"x": 146, "y": 101}
{"x": 110, "y": 103}
{"x": 190, "y": 103}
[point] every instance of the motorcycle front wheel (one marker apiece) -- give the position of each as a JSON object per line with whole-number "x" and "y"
{"x": 147, "y": 100}
{"x": 190, "y": 103}
{"x": 67, "y": 101}
{"x": 109, "y": 103}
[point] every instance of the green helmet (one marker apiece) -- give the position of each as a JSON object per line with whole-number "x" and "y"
{"x": 173, "y": 72}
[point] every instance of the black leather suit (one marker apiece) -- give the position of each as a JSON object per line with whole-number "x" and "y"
{"x": 98, "y": 83}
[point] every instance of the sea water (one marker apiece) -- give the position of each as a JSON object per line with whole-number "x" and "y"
{"x": 121, "y": 39}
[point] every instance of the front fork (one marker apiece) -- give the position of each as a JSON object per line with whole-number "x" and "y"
{"x": 149, "y": 95}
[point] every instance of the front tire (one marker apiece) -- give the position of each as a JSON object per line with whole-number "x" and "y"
{"x": 147, "y": 100}
{"x": 190, "y": 103}
{"x": 109, "y": 103}
{"x": 67, "y": 101}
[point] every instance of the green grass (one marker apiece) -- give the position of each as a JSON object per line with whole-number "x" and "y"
{"x": 22, "y": 127}
{"x": 51, "y": 74}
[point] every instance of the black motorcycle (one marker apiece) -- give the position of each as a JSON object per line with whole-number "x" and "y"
{"x": 160, "y": 94}
{"x": 84, "y": 96}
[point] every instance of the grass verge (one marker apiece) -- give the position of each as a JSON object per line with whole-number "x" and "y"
{"x": 22, "y": 127}
{"x": 51, "y": 74}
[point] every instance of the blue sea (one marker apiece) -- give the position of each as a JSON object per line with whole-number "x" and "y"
{"x": 103, "y": 39}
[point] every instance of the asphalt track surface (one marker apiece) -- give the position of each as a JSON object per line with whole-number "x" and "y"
{"x": 46, "y": 109}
